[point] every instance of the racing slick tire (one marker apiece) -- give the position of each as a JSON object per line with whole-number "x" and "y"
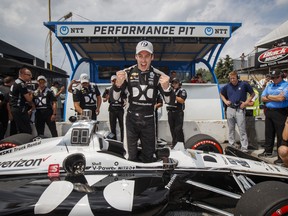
{"x": 263, "y": 199}
{"x": 15, "y": 140}
{"x": 205, "y": 143}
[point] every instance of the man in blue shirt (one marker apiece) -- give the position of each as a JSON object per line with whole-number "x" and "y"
{"x": 234, "y": 95}
{"x": 275, "y": 95}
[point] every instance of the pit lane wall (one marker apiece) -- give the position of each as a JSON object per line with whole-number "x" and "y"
{"x": 203, "y": 114}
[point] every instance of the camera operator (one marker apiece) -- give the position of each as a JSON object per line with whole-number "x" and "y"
{"x": 234, "y": 95}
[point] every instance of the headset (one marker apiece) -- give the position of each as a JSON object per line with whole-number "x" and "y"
{"x": 233, "y": 73}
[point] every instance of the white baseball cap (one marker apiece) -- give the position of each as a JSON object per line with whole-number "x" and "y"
{"x": 84, "y": 78}
{"x": 144, "y": 45}
{"x": 41, "y": 78}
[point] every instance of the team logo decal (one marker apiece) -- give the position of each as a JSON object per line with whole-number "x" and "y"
{"x": 275, "y": 54}
{"x": 208, "y": 31}
{"x": 64, "y": 30}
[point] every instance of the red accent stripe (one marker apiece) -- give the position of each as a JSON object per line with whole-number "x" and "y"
{"x": 210, "y": 142}
{"x": 281, "y": 211}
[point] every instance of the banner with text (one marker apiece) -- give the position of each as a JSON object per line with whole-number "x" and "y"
{"x": 142, "y": 30}
{"x": 274, "y": 56}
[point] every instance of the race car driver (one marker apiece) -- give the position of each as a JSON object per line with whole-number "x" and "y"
{"x": 142, "y": 82}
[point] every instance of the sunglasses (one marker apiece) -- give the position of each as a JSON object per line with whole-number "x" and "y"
{"x": 275, "y": 77}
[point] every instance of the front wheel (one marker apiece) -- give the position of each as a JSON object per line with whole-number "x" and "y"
{"x": 205, "y": 143}
{"x": 264, "y": 199}
{"x": 75, "y": 164}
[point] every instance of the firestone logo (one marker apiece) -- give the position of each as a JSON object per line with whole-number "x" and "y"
{"x": 272, "y": 55}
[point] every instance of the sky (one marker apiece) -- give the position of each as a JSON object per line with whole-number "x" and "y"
{"x": 22, "y": 20}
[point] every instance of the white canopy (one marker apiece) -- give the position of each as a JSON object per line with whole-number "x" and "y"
{"x": 277, "y": 35}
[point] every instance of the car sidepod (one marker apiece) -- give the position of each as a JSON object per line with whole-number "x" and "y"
{"x": 92, "y": 194}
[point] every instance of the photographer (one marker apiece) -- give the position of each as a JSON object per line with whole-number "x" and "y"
{"x": 234, "y": 95}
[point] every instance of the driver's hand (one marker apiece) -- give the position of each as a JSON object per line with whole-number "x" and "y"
{"x": 121, "y": 76}
{"x": 164, "y": 81}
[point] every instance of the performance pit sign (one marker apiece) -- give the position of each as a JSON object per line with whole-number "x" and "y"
{"x": 275, "y": 56}
{"x": 113, "y": 30}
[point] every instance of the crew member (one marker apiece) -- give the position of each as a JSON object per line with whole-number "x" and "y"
{"x": 275, "y": 96}
{"x": 158, "y": 105}
{"x": 116, "y": 110}
{"x": 176, "y": 112}
{"x": 2, "y": 104}
{"x": 252, "y": 110}
{"x": 142, "y": 82}
{"x": 46, "y": 108}
{"x": 234, "y": 95}
{"x": 87, "y": 96}
{"x": 5, "y": 109}
{"x": 21, "y": 101}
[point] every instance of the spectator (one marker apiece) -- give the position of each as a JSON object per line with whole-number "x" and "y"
{"x": 87, "y": 96}
{"x": 193, "y": 79}
{"x": 283, "y": 149}
{"x": 234, "y": 95}
{"x": 142, "y": 83}
{"x": 57, "y": 92}
{"x": 116, "y": 110}
{"x": 5, "y": 108}
{"x": 176, "y": 112}
{"x": 265, "y": 81}
{"x": 46, "y": 108}
{"x": 275, "y": 95}
{"x": 20, "y": 100}
{"x": 199, "y": 78}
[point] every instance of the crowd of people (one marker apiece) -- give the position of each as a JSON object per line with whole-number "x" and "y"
{"x": 19, "y": 103}
{"x": 238, "y": 95}
{"x": 141, "y": 90}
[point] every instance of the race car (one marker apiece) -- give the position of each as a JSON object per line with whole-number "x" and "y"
{"x": 85, "y": 172}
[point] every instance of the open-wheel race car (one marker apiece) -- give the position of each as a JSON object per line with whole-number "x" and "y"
{"x": 86, "y": 173}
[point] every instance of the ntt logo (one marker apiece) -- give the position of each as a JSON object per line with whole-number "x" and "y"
{"x": 64, "y": 30}
{"x": 208, "y": 31}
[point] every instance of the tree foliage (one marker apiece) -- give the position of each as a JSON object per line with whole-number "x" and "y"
{"x": 223, "y": 68}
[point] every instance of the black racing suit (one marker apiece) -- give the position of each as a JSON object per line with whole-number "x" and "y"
{"x": 87, "y": 98}
{"x": 116, "y": 110}
{"x": 142, "y": 88}
{"x": 19, "y": 106}
{"x": 43, "y": 101}
{"x": 2, "y": 104}
{"x": 176, "y": 117}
